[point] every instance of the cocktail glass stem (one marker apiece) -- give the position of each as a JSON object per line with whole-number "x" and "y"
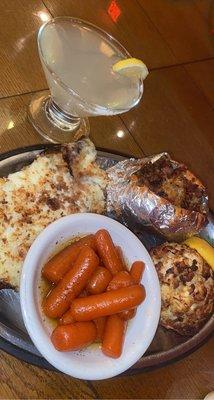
{"x": 60, "y": 118}
{"x": 53, "y": 123}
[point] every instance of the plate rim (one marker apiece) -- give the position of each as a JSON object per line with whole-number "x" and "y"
{"x": 147, "y": 362}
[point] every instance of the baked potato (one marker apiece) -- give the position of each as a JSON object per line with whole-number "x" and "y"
{"x": 159, "y": 193}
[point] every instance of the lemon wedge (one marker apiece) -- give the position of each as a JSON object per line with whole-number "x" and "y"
{"x": 132, "y": 68}
{"x": 203, "y": 248}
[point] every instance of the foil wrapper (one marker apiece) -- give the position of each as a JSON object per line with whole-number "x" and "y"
{"x": 136, "y": 205}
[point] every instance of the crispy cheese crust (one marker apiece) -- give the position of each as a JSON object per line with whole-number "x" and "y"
{"x": 33, "y": 198}
{"x": 187, "y": 287}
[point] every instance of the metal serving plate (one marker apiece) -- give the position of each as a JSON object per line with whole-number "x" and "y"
{"x": 166, "y": 347}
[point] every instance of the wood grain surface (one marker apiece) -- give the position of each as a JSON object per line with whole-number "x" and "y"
{"x": 133, "y": 27}
{"x": 202, "y": 74}
{"x": 176, "y": 39}
{"x": 184, "y": 26}
{"x": 16, "y": 130}
{"x": 191, "y": 378}
{"x": 176, "y": 116}
{"x": 20, "y": 68}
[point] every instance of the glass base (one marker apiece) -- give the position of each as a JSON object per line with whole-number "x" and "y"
{"x": 53, "y": 123}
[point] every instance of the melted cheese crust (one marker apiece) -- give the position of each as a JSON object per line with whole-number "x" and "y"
{"x": 33, "y": 198}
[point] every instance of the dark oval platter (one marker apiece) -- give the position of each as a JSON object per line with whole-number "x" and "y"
{"x": 167, "y": 346}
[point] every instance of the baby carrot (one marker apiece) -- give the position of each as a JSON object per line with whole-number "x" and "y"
{"x": 58, "y": 265}
{"x": 107, "y": 251}
{"x": 108, "y": 303}
{"x": 59, "y": 299}
{"x": 67, "y": 317}
{"x": 100, "y": 325}
{"x": 83, "y": 293}
{"x": 136, "y": 271}
{"x": 128, "y": 314}
{"x": 121, "y": 279}
{"x": 99, "y": 281}
{"x": 114, "y": 334}
{"x": 120, "y": 255}
{"x": 74, "y": 336}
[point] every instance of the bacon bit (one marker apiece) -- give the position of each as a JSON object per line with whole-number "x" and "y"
{"x": 53, "y": 203}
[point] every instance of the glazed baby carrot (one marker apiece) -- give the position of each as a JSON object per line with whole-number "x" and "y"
{"x": 71, "y": 285}
{"x": 136, "y": 271}
{"x": 66, "y": 319}
{"x": 100, "y": 325}
{"x": 83, "y": 293}
{"x": 107, "y": 251}
{"x": 120, "y": 255}
{"x": 128, "y": 314}
{"x": 99, "y": 281}
{"x": 114, "y": 334}
{"x": 121, "y": 279}
{"x": 108, "y": 303}
{"x": 74, "y": 336}
{"x": 58, "y": 265}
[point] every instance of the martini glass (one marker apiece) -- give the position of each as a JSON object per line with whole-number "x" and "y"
{"x": 77, "y": 59}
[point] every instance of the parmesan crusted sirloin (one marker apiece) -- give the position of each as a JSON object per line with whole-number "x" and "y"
{"x": 36, "y": 196}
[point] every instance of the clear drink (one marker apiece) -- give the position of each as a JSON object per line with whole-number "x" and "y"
{"x": 77, "y": 60}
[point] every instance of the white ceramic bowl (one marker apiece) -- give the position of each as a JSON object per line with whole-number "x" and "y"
{"x": 89, "y": 363}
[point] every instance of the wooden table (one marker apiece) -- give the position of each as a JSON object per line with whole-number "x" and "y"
{"x": 176, "y": 41}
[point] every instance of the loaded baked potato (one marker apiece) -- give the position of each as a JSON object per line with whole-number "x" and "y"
{"x": 160, "y": 193}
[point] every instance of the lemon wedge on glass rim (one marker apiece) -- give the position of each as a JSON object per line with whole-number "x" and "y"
{"x": 203, "y": 248}
{"x": 132, "y": 68}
